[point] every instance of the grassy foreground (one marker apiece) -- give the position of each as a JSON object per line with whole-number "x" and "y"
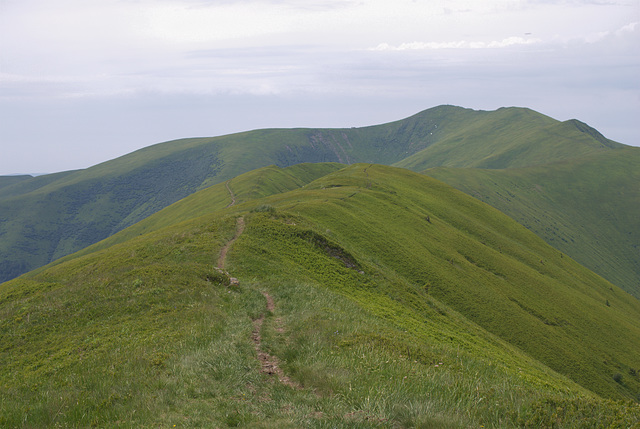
{"x": 389, "y": 289}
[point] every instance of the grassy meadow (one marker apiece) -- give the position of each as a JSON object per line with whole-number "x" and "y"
{"x": 586, "y": 207}
{"x": 398, "y": 302}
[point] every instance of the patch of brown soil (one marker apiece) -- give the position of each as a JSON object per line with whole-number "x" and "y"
{"x": 269, "y": 364}
{"x": 362, "y": 416}
{"x": 233, "y": 197}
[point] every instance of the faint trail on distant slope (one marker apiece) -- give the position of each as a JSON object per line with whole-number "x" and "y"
{"x": 233, "y": 197}
{"x": 367, "y": 174}
{"x": 223, "y": 252}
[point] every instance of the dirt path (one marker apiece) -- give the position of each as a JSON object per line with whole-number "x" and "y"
{"x": 269, "y": 364}
{"x": 233, "y": 196}
{"x": 223, "y": 252}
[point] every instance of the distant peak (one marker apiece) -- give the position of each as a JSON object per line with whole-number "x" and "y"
{"x": 584, "y": 128}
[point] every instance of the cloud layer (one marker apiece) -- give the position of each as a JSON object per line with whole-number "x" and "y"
{"x": 126, "y": 68}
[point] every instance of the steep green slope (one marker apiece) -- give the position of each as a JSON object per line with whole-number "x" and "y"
{"x": 587, "y": 208}
{"x": 60, "y": 216}
{"x": 47, "y": 217}
{"x": 484, "y": 265}
{"x": 508, "y": 138}
{"x": 391, "y": 300}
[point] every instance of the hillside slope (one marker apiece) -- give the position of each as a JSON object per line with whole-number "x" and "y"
{"x": 587, "y": 207}
{"x": 12, "y": 180}
{"x": 255, "y": 184}
{"x": 46, "y": 217}
{"x": 372, "y": 296}
{"x": 509, "y": 138}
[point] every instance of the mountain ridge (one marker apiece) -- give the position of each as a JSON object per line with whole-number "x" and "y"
{"x": 397, "y": 300}
{"x": 352, "y": 180}
{"x": 47, "y": 217}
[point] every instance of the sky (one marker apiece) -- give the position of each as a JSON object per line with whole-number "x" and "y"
{"x": 85, "y": 81}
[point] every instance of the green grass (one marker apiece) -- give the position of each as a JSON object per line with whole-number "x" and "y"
{"x": 258, "y": 183}
{"x": 517, "y": 287}
{"x": 12, "y": 180}
{"x": 586, "y": 208}
{"x": 47, "y": 217}
{"x": 382, "y": 317}
{"x": 508, "y": 138}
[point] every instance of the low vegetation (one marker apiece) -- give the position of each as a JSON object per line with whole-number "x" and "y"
{"x": 398, "y": 302}
{"x": 586, "y": 207}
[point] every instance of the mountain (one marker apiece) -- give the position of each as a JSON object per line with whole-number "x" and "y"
{"x": 47, "y": 217}
{"x": 586, "y": 207}
{"x": 365, "y": 296}
{"x": 11, "y": 180}
{"x": 507, "y": 138}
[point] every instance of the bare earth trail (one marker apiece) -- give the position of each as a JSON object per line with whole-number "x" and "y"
{"x": 223, "y": 252}
{"x": 233, "y": 196}
{"x": 239, "y": 230}
{"x": 269, "y": 364}
{"x": 367, "y": 174}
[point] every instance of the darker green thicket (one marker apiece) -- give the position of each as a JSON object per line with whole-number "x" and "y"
{"x": 331, "y": 249}
{"x": 583, "y": 413}
{"x": 265, "y": 208}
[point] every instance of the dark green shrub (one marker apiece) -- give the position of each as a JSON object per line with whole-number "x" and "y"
{"x": 265, "y": 208}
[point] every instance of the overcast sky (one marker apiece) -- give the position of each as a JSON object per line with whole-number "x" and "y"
{"x": 85, "y": 81}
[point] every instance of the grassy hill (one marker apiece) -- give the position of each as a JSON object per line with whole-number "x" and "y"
{"x": 369, "y": 297}
{"x": 508, "y": 138}
{"x": 259, "y": 183}
{"x": 12, "y": 180}
{"x": 587, "y": 207}
{"x": 46, "y": 217}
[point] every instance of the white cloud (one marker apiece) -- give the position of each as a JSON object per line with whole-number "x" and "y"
{"x": 626, "y": 31}
{"x": 461, "y": 44}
